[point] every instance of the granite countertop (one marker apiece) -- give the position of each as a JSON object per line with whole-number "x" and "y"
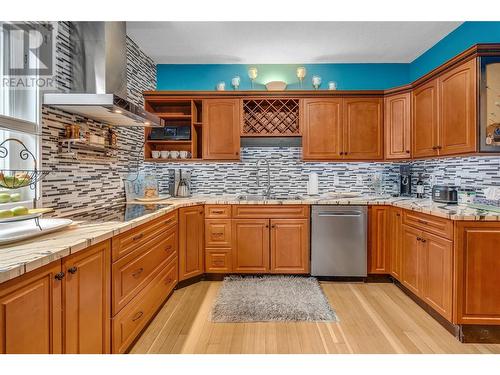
{"x": 19, "y": 258}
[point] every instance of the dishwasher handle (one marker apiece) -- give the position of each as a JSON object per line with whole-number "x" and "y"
{"x": 344, "y": 214}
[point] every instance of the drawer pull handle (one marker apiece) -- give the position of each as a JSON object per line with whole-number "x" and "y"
{"x": 169, "y": 247}
{"x": 138, "y": 237}
{"x": 422, "y": 221}
{"x": 218, "y": 233}
{"x": 168, "y": 280}
{"x": 217, "y": 211}
{"x": 138, "y": 272}
{"x": 72, "y": 270}
{"x": 137, "y": 316}
{"x": 218, "y": 263}
{"x": 169, "y": 221}
{"x": 419, "y": 239}
{"x": 59, "y": 276}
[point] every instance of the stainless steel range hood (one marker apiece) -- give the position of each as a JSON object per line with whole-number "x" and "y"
{"x": 99, "y": 77}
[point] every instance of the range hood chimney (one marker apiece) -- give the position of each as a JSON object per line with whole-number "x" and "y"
{"x": 99, "y": 81}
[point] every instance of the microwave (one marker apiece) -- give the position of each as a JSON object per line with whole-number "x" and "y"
{"x": 172, "y": 133}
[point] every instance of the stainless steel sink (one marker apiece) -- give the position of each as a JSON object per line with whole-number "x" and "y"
{"x": 258, "y": 197}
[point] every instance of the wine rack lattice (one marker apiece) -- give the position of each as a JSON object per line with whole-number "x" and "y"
{"x": 271, "y": 117}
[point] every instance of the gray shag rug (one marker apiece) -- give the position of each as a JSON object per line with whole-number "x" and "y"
{"x": 271, "y": 298}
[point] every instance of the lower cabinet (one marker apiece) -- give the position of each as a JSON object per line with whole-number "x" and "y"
{"x": 63, "y": 307}
{"x": 251, "y": 246}
{"x": 86, "y": 296}
{"x": 378, "y": 254}
{"x": 427, "y": 268}
{"x": 31, "y": 312}
{"x": 394, "y": 237}
{"x": 289, "y": 246}
{"x": 191, "y": 229}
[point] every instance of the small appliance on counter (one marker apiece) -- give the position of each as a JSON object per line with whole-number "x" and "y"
{"x": 445, "y": 194}
{"x": 405, "y": 180}
{"x": 180, "y": 182}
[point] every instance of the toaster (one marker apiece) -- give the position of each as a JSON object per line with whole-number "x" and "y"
{"x": 445, "y": 194}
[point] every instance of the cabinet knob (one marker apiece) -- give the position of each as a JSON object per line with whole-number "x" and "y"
{"x": 59, "y": 276}
{"x": 407, "y": 151}
{"x": 72, "y": 270}
{"x": 419, "y": 239}
{"x": 138, "y": 272}
{"x": 273, "y": 226}
{"x": 236, "y": 153}
{"x": 423, "y": 240}
{"x": 138, "y": 237}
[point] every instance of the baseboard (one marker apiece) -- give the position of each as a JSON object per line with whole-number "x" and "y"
{"x": 190, "y": 281}
{"x": 479, "y": 334}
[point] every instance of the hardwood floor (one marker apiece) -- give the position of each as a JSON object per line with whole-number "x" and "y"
{"x": 374, "y": 318}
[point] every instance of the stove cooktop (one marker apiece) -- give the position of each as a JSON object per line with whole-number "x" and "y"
{"x": 120, "y": 213}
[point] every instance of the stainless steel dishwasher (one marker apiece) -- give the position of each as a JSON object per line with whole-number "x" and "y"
{"x": 339, "y": 241}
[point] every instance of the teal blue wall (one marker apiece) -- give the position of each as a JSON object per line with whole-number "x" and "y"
{"x": 463, "y": 37}
{"x": 347, "y": 76}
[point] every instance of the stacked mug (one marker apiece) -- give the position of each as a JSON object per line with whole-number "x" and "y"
{"x": 170, "y": 154}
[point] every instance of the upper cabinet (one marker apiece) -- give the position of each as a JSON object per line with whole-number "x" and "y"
{"x": 363, "y": 129}
{"x": 444, "y": 113}
{"x": 322, "y": 129}
{"x": 342, "y": 129}
{"x": 457, "y": 110}
{"x": 397, "y": 120}
{"x": 425, "y": 120}
{"x": 221, "y": 129}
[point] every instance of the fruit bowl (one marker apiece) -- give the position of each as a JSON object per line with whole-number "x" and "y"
{"x": 15, "y": 179}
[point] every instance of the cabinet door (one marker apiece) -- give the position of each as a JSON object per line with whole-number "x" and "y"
{"x": 378, "y": 244}
{"x": 31, "y": 312}
{"x": 437, "y": 277}
{"x": 412, "y": 259}
{"x": 290, "y": 246}
{"x": 363, "y": 129}
{"x": 322, "y": 129}
{"x": 457, "y": 110}
{"x": 250, "y": 245}
{"x": 87, "y": 300}
{"x": 397, "y": 126}
{"x": 221, "y": 129}
{"x": 394, "y": 237}
{"x": 191, "y": 225}
{"x": 425, "y": 120}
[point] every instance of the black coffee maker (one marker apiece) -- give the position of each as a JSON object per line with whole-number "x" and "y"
{"x": 405, "y": 180}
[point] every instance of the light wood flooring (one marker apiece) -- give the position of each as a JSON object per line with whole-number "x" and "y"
{"x": 374, "y": 318}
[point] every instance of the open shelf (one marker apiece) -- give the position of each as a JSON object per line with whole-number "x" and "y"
{"x": 176, "y": 113}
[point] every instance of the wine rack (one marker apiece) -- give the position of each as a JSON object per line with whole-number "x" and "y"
{"x": 271, "y": 117}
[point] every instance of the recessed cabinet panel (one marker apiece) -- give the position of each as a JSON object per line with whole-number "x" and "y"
{"x": 397, "y": 126}
{"x": 425, "y": 120}
{"x": 289, "y": 245}
{"x": 251, "y": 245}
{"x": 322, "y": 121}
{"x": 191, "y": 232}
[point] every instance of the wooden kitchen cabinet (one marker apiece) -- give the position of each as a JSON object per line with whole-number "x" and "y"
{"x": 394, "y": 237}
{"x": 476, "y": 269}
{"x": 363, "y": 129}
{"x": 87, "y": 300}
{"x": 31, "y": 312}
{"x": 290, "y": 246}
{"x": 457, "y": 110}
{"x": 412, "y": 268}
{"x": 437, "y": 273}
{"x": 191, "y": 232}
{"x": 378, "y": 260}
{"x": 397, "y": 126}
{"x": 250, "y": 245}
{"x": 425, "y": 120}
{"x": 322, "y": 121}
{"x": 221, "y": 129}
{"x": 218, "y": 233}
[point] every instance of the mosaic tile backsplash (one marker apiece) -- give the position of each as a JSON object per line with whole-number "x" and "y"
{"x": 94, "y": 181}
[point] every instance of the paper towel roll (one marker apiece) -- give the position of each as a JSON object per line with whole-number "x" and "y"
{"x": 312, "y": 184}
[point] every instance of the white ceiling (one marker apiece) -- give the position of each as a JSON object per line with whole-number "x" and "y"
{"x": 286, "y": 42}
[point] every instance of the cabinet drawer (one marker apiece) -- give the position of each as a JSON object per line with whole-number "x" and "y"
{"x": 218, "y": 233}
{"x": 217, "y": 260}
{"x": 432, "y": 224}
{"x": 270, "y": 212}
{"x": 135, "y": 270}
{"x": 217, "y": 211}
{"x": 126, "y": 242}
{"x": 131, "y": 320}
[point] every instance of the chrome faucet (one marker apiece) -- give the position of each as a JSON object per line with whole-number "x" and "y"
{"x": 268, "y": 189}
